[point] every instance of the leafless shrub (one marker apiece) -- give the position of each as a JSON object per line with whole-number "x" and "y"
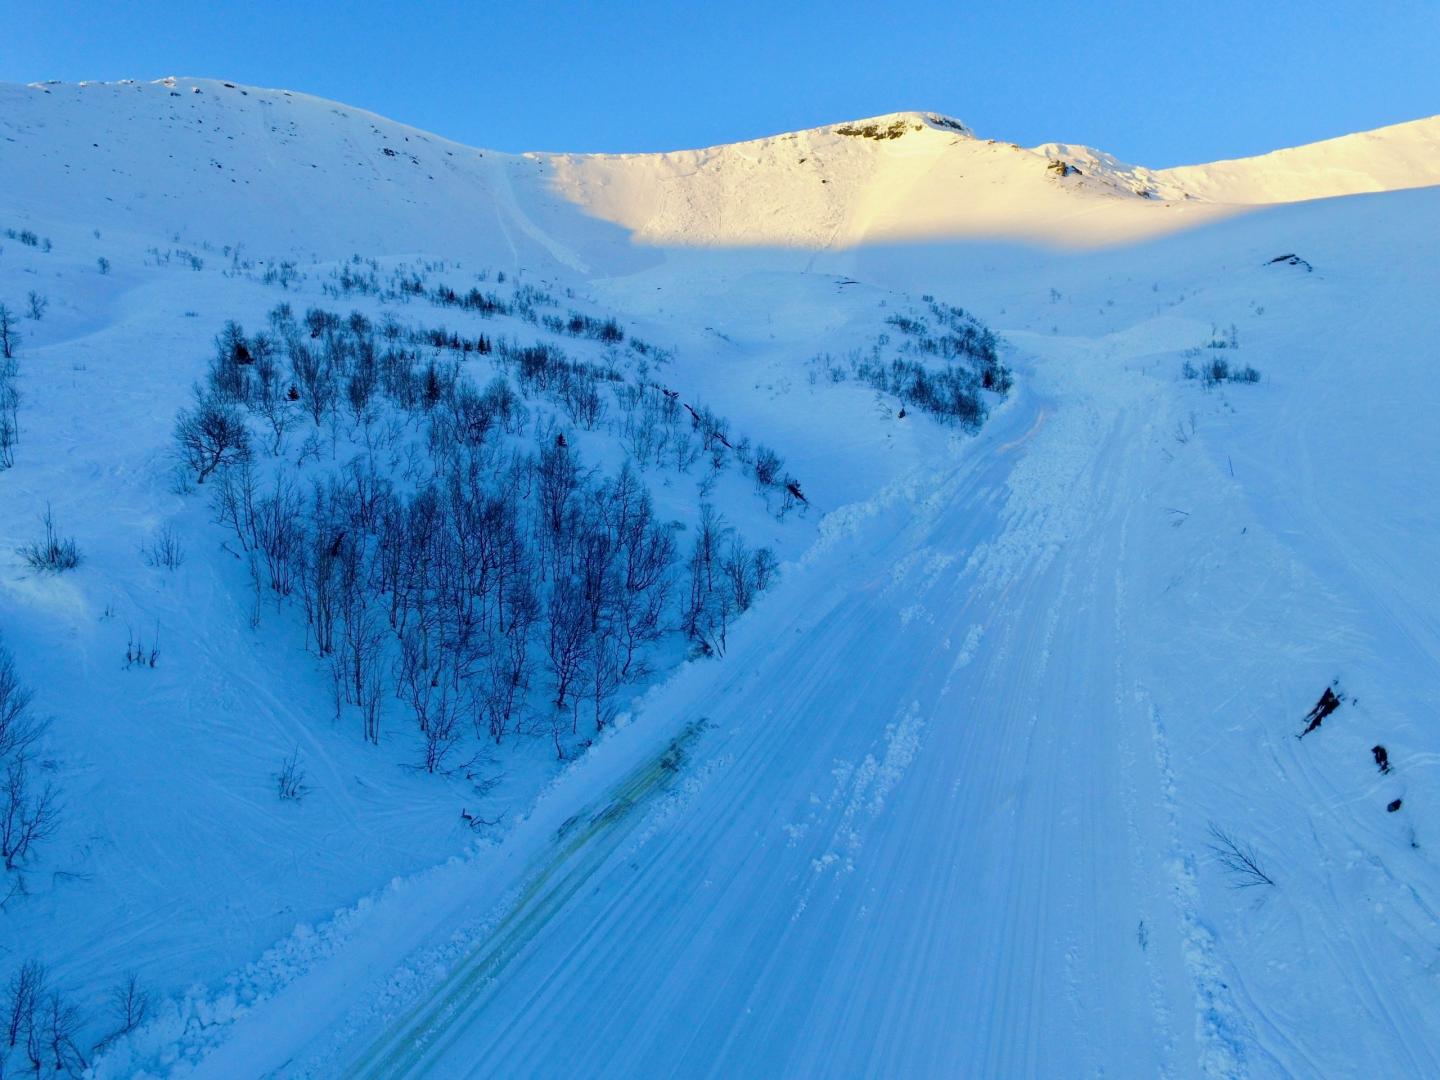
{"x": 441, "y": 733}
{"x": 18, "y": 726}
{"x": 140, "y": 654}
{"x": 211, "y": 436}
{"x": 9, "y": 417}
{"x": 59, "y": 1026}
{"x": 9, "y": 335}
{"x": 129, "y": 1007}
{"x": 1238, "y": 859}
{"x": 55, "y": 553}
{"x": 769, "y": 466}
{"x": 290, "y": 781}
{"x": 27, "y": 817}
{"x": 165, "y": 549}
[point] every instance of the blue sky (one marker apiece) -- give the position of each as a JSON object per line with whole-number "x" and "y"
{"x": 1159, "y": 83}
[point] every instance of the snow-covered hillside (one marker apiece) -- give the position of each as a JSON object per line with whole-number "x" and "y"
{"x": 952, "y": 800}
{"x": 235, "y": 165}
{"x": 907, "y": 177}
{"x": 1386, "y": 159}
{"x": 919, "y": 177}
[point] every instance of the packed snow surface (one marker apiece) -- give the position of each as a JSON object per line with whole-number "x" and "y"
{"x": 947, "y": 805}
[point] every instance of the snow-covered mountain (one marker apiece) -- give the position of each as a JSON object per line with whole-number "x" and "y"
{"x": 262, "y": 168}
{"x": 1106, "y": 482}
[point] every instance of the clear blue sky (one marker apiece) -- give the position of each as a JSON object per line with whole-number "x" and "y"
{"x": 1159, "y": 83}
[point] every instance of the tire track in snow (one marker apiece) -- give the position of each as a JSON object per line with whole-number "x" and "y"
{"x": 581, "y": 848}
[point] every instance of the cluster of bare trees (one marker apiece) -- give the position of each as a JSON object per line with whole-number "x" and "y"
{"x": 41, "y": 1025}
{"x": 954, "y": 391}
{"x": 724, "y": 577}
{"x": 10, "y": 340}
{"x": 957, "y": 335}
{"x": 951, "y": 393}
{"x": 525, "y": 302}
{"x": 41, "y": 1028}
{"x": 453, "y": 597}
{"x": 466, "y": 562}
{"x": 1216, "y": 370}
{"x": 342, "y": 367}
{"x": 28, "y": 807}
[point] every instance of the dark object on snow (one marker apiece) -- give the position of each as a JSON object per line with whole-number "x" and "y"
{"x": 1381, "y": 758}
{"x": 560, "y": 442}
{"x": 1064, "y": 168}
{"x": 1291, "y": 260}
{"x": 901, "y": 415}
{"x": 476, "y": 822}
{"x": 1327, "y": 704}
{"x": 1393, "y": 806}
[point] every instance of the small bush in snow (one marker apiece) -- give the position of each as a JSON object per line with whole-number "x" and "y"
{"x": 164, "y": 549}
{"x": 138, "y": 653}
{"x": 55, "y": 553}
{"x": 290, "y": 781}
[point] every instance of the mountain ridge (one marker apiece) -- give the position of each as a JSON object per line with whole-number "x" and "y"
{"x": 906, "y": 177}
